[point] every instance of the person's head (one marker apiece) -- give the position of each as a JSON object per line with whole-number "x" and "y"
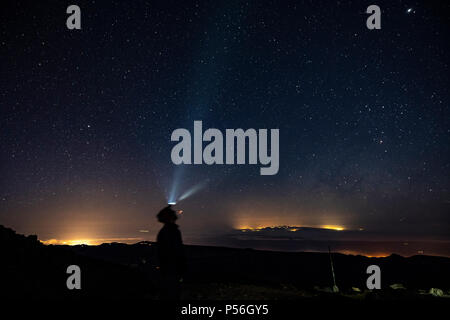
{"x": 167, "y": 215}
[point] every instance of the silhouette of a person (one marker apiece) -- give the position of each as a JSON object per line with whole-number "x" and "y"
{"x": 170, "y": 254}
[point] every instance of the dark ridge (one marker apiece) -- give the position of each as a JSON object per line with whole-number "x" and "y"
{"x": 116, "y": 270}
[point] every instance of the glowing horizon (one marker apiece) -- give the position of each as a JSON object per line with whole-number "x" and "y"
{"x": 88, "y": 241}
{"x": 292, "y": 228}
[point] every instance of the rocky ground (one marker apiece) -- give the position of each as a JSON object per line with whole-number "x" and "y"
{"x": 34, "y": 270}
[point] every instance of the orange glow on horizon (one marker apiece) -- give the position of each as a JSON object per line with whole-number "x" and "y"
{"x": 332, "y": 227}
{"x": 368, "y": 255}
{"x": 89, "y": 242}
{"x": 251, "y": 228}
{"x": 377, "y": 255}
{"x": 289, "y": 228}
{"x": 73, "y": 242}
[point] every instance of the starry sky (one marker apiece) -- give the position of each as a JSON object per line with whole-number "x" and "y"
{"x": 87, "y": 115}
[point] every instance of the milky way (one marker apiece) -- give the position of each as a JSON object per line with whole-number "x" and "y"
{"x": 87, "y": 116}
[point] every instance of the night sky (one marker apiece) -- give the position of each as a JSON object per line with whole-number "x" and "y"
{"x": 87, "y": 116}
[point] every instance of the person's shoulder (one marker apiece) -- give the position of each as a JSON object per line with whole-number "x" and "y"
{"x": 174, "y": 229}
{"x": 170, "y": 227}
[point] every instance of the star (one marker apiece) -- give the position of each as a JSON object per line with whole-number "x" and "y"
{"x": 351, "y": 127}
